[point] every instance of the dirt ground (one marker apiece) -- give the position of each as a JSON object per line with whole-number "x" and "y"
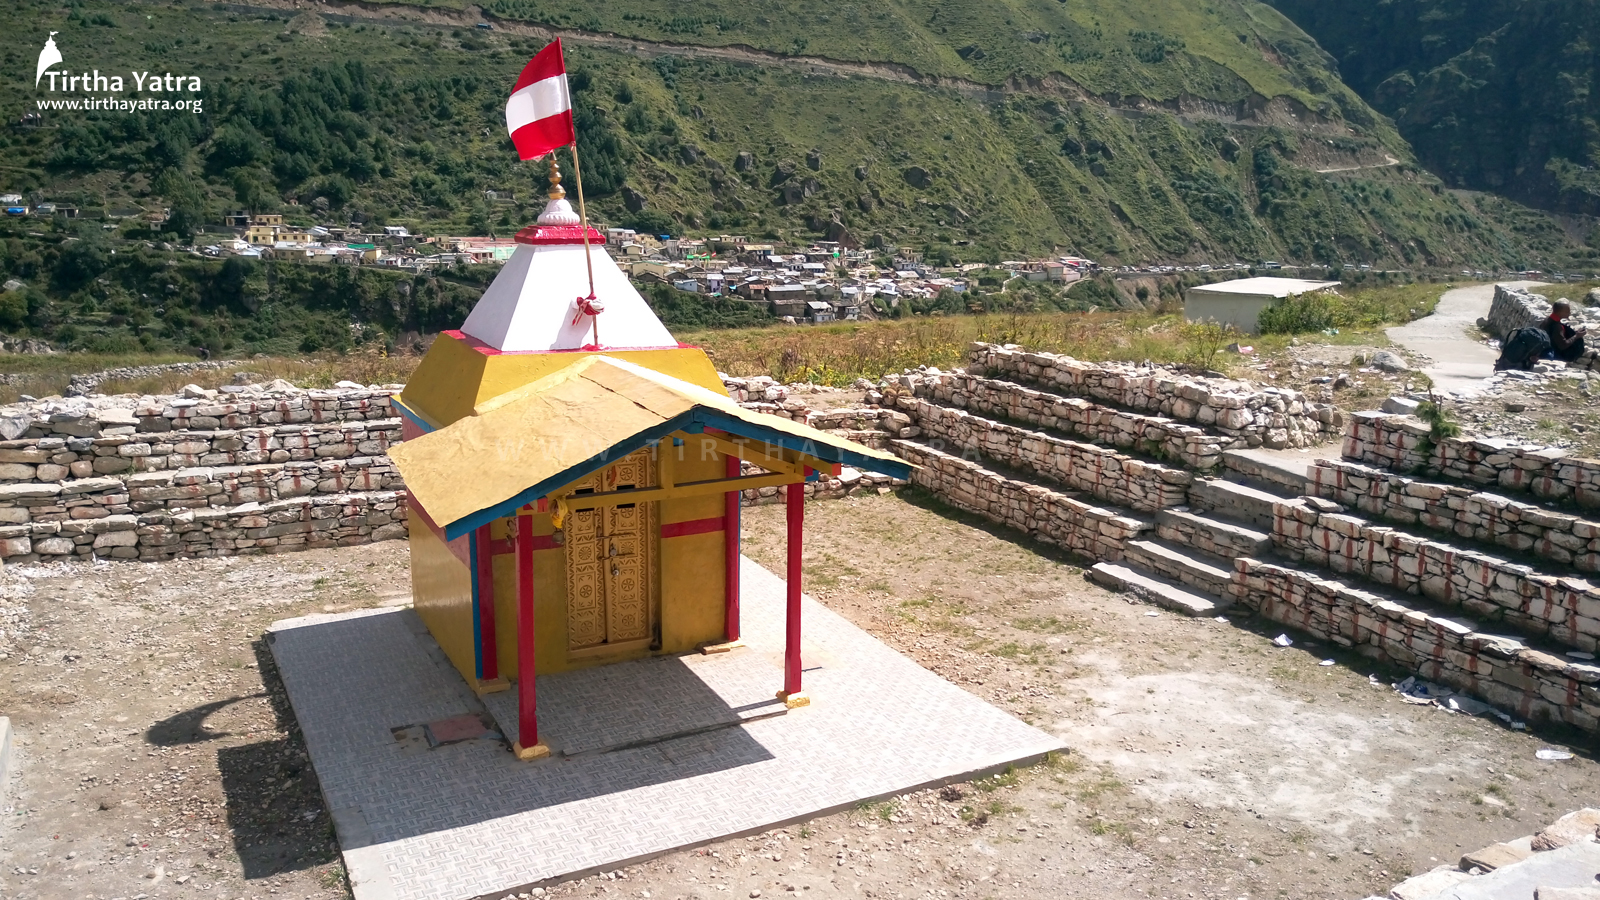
{"x": 158, "y": 757}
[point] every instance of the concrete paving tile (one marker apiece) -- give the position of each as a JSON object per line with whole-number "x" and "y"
{"x": 467, "y": 819}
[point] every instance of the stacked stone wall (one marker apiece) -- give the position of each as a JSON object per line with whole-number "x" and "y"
{"x": 1490, "y": 518}
{"x": 1490, "y": 589}
{"x": 1501, "y": 670}
{"x": 113, "y": 416}
{"x": 1104, "y": 474}
{"x": 1398, "y": 443}
{"x": 56, "y": 459}
{"x": 1513, "y": 309}
{"x": 1273, "y": 417}
{"x": 850, "y": 482}
{"x": 1154, "y": 435}
{"x": 1050, "y": 517}
{"x": 167, "y": 532}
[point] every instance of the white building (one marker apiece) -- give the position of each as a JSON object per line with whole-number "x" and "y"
{"x": 1239, "y": 303}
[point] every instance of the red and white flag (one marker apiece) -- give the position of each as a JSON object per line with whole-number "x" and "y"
{"x": 539, "y": 113}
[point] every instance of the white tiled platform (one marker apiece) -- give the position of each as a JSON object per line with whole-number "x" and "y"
{"x": 467, "y": 820}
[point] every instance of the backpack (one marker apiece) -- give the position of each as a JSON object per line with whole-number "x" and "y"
{"x": 1522, "y": 348}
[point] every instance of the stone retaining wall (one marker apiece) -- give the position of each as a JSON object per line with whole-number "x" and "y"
{"x": 1250, "y": 418}
{"x": 88, "y": 498}
{"x": 1396, "y": 443}
{"x": 1501, "y": 670}
{"x": 1104, "y": 474}
{"x": 1514, "y": 308}
{"x": 850, "y": 482}
{"x": 273, "y": 527}
{"x": 1489, "y": 518}
{"x": 55, "y": 459}
{"x": 1492, "y": 590}
{"x": 1154, "y": 435}
{"x": 1047, "y": 516}
{"x": 114, "y": 416}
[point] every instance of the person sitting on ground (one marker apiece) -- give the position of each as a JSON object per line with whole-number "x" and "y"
{"x": 1566, "y": 342}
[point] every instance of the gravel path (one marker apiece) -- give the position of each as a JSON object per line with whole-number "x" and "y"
{"x": 1449, "y": 337}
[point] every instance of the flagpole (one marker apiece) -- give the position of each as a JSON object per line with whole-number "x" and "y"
{"x": 583, "y": 215}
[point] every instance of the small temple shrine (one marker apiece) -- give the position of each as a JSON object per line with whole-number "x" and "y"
{"x": 575, "y": 473}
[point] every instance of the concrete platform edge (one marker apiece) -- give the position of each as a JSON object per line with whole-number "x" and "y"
{"x": 983, "y": 772}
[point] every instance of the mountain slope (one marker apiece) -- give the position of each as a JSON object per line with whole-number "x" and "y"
{"x": 959, "y": 130}
{"x": 1500, "y": 95}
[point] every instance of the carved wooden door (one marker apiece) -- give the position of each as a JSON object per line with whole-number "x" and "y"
{"x": 610, "y": 555}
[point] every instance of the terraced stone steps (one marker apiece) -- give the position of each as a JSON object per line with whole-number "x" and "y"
{"x": 1490, "y": 519}
{"x": 1215, "y": 536}
{"x": 1105, "y": 474}
{"x": 1252, "y": 539}
{"x": 1124, "y": 579}
{"x": 1177, "y": 563}
{"x": 1247, "y": 504}
{"x": 1075, "y": 418}
{"x": 1250, "y": 417}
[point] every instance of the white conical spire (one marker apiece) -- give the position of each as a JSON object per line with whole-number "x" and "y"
{"x": 532, "y": 304}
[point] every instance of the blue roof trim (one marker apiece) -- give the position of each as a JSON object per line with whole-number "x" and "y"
{"x": 711, "y": 418}
{"x": 694, "y": 421}
{"x": 406, "y": 412}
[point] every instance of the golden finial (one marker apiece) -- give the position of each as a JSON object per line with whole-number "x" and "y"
{"x": 556, "y": 190}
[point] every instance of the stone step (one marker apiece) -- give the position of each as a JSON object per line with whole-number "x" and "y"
{"x": 1125, "y": 579}
{"x": 1105, "y": 474}
{"x": 1274, "y": 417}
{"x": 1211, "y": 535}
{"x": 1231, "y": 500}
{"x": 1464, "y": 513}
{"x": 112, "y": 416}
{"x": 1278, "y": 472}
{"x": 1528, "y": 679}
{"x": 1180, "y": 564}
{"x": 1076, "y": 418}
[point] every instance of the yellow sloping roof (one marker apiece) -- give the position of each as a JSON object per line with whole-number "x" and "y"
{"x": 522, "y": 444}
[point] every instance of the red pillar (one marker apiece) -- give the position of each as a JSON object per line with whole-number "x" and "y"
{"x": 791, "y": 653}
{"x": 527, "y": 746}
{"x": 730, "y": 552}
{"x": 488, "y": 646}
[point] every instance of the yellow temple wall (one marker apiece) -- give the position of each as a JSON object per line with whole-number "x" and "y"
{"x": 453, "y": 378}
{"x": 691, "y": 567}
{"x": 690, "y": 586}
{"x": 549, "y": 603}
{"x": 441, "y": 593}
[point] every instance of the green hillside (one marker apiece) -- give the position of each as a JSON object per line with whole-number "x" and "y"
{"x": 1499, "y": 95}
{"x": 1160, "y": 132}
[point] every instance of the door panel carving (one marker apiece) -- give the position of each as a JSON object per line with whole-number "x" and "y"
{"x": 610, "y": 561}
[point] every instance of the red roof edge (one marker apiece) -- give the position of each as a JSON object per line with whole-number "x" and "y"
{"x": 557, "y": 234}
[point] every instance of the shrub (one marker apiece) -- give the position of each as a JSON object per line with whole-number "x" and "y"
{"x": 1297, "y": 314}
